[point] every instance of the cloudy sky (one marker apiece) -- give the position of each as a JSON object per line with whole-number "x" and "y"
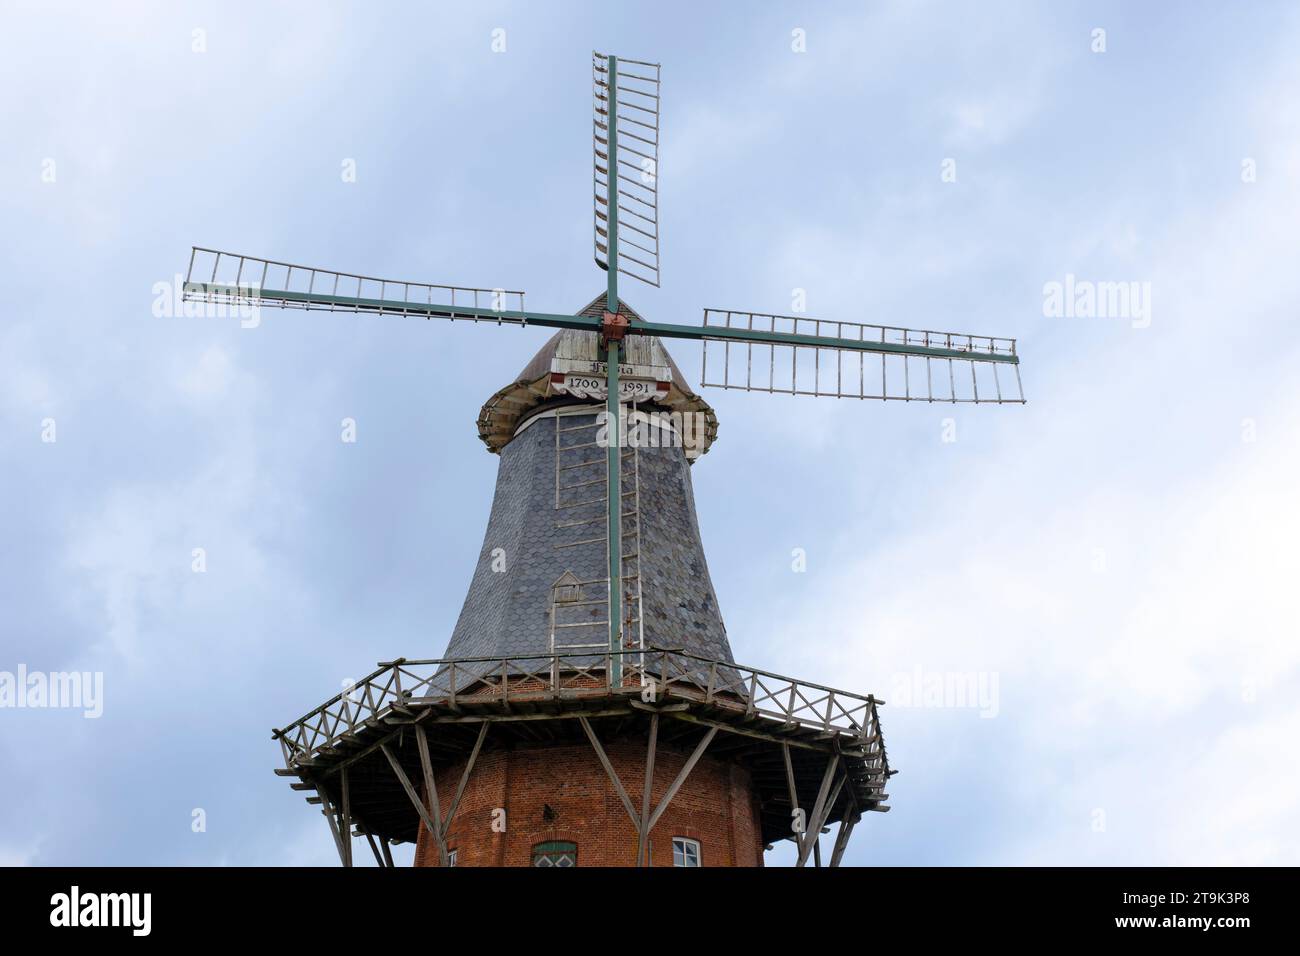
{"x": 1113, "y": 564}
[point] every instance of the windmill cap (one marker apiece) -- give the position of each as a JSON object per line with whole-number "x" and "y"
{"x": 533, "y": 391}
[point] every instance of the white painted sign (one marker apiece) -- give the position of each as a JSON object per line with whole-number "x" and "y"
{"x": 656, "y": 373}
{"x": 593, "y": 386}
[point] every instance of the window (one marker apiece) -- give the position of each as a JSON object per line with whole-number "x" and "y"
{"x": 686, "y": 852}
{"x": 451, "y": 857}
{"x": 567, "y": 589}
{"x": 555, "y": 853}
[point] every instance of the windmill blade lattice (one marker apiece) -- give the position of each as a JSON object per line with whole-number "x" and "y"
{"x": 633, "y": 181}
{"x": 234, "y": 279}
{"x": 851, "y": 360}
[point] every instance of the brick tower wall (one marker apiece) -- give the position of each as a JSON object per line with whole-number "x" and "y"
{"x": 716, "y": 806}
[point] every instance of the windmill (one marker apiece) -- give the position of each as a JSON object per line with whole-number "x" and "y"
{"x": 753, "y": 351}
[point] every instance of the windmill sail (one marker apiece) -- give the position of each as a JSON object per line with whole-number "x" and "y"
{"x": 233, "y": 279}
{"x": 626, "y": 165}
{"x": 797, "y": 355}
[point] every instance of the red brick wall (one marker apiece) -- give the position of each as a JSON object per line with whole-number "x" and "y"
{"x": 716, "y": 805}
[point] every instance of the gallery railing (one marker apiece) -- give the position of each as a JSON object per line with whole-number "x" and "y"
{"x": 747, "y": 691}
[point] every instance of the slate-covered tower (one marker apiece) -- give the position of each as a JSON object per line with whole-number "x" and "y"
{"x": 545, "y": 545}
{"x": 539, "y": 589}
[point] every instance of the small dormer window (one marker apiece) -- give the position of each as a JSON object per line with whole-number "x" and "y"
{"x": 567, "y": 589}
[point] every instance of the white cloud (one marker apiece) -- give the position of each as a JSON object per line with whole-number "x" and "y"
{"x": 1162, "y": 690}
{"x": 209, "y": 376}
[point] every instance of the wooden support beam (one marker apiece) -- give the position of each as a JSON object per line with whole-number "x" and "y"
{"x": 820, "y": 809}
{"x": 747, "y": 730}
{"x": 681, "y": 778}
{"x": 842, "y": 837}
{"x": 345, "y": 823}
{"x": 794, "y": 796}
{"x": 830, "y": 804}
{"x": 410, "y": 791}
{"x": 609, "y": 769}
{"x": 328, "y": 810}
{"x": 464, "y": 777}
{"x": 374, "y": 849}
{"x": 659, "y": 709}
{"x": 431, "y": 790}
{"x": 644, "y": 831}
{"x": 388, "y": 854}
